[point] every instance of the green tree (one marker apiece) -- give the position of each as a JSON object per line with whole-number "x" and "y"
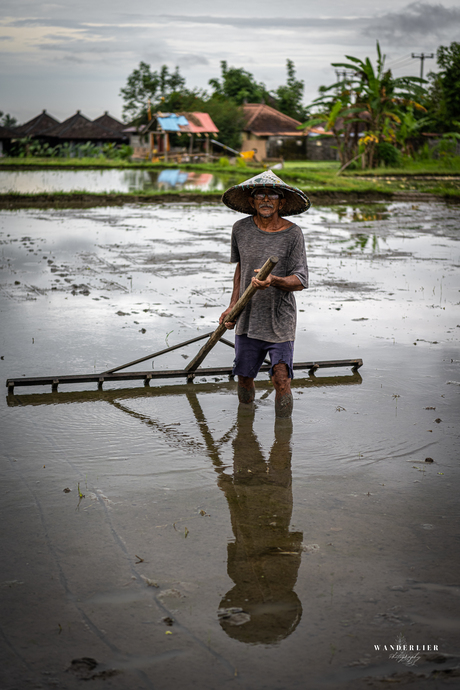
{"x": 7, "y": 120}
{"x": 238, "y": 85}
{"x": 409, "y": 129}
{"x": 228, "y": 118}
{"x": 339, "y": 114}
{"x": 144, "y": 85}
{"x": 289, "y": 96}
{"x": 443, "y": 101}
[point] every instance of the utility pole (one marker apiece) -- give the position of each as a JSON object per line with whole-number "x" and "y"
{"x": 345, "y": 74}
{"x": 422, "y": 57}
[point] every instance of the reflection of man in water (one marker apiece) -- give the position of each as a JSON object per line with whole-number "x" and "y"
{"x": 264, "y": 558}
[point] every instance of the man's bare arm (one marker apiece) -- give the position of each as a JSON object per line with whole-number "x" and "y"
{"x": 288, "y": 283}
{"x": 234, "y": 298}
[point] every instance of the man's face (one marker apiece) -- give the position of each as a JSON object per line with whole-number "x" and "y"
{"x": 266, "y": 203}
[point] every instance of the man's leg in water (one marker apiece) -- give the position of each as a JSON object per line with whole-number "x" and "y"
{"x": 249, "y": 356}
{"x": 282, "y": 385}
{"x": 246, "y": 389}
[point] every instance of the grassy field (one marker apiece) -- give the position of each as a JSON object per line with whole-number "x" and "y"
{"x": 72, "y": 163}
{"x": 433, "y": 177}
{"x": 448, "y": 166}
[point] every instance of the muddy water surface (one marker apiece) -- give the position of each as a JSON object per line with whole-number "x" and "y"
{"x": 175, "y": 540}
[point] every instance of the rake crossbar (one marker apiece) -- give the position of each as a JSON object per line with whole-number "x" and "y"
{"x": 147, "y": 376}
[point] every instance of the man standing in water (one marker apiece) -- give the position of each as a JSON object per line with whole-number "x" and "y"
{"x": 267, "y": 324}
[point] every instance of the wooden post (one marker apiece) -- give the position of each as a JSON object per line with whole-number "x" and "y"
{"x": 237, "y": 309}
{"x": 165, "y": 143}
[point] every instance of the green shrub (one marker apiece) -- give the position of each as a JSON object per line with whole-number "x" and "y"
{"x": 109, "y": 150}
{"x": 424, "y": 153}
{"x": 88, "y": 150}
{"x": 224, "y": 162}
{"x": 125, "y": 151}
{"x": 389, "y": 154}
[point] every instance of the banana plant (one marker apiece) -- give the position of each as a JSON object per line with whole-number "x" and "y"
{"x": 383, "y": 100}
{"x": 365, "y": 108}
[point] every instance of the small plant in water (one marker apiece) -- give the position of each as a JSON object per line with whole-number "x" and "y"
{"x": 333, "y": 651}
{"x": 80, "y": 496}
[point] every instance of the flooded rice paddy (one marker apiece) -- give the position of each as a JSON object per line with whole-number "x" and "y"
{"x": 106, "y": 181}
{"x": 161, "y": 537}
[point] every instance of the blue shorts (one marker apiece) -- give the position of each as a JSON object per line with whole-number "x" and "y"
{"x": 250, "y": 354}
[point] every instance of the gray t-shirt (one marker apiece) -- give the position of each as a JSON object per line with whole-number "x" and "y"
{"x": 271, "y": 313}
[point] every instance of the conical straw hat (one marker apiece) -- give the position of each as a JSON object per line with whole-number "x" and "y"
{"x": 237, "y": 197}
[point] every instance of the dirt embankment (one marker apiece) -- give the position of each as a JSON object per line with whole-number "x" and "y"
{"x": 83, "y": 200}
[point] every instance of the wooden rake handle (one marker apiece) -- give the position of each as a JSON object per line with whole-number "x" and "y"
{"x": 237, "y": 309}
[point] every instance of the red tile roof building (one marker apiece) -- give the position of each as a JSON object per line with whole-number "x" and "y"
{"x": 276, "y": 135}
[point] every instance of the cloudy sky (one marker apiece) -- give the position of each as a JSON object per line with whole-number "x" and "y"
{"x": 68, "y": 55}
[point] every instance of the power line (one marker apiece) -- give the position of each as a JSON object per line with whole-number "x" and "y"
{"x": 400, "y": 65}
{"x": 403, "y": 66}
{"x": 396, "y": 61}
{"x": 422, "y": 57}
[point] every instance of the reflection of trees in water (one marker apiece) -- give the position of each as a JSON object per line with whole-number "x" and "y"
{"x": 363, "y": 213}
{"x": 360, "y": 241}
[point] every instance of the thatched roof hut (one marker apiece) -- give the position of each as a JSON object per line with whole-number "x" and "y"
{"x": 110, "y": 122}
{"x": 79, "y": 128}
{"x": 37, "y": 125}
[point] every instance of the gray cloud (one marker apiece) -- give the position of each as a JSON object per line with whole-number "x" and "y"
{"x": 238, "y": 22}
{"x": 419, "y": 19}
{"x": 154, "y": 58}
{"x": 257, "y": 23}
{"x": 73, "y": 59}
{"x": 115, "y": 36}
{"x": 72, "y": 47}
{"x": 191, "y": 60}
{"x": 84, "y": 29}
{"x": 46, "y": 21}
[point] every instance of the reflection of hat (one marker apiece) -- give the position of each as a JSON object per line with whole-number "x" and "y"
{"x": 261, "y": 622}
{"x": 237, "y": 197}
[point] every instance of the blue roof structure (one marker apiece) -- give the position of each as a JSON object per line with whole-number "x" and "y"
{"x": 171, "y": 178}
{"x": 171, "y": 122}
